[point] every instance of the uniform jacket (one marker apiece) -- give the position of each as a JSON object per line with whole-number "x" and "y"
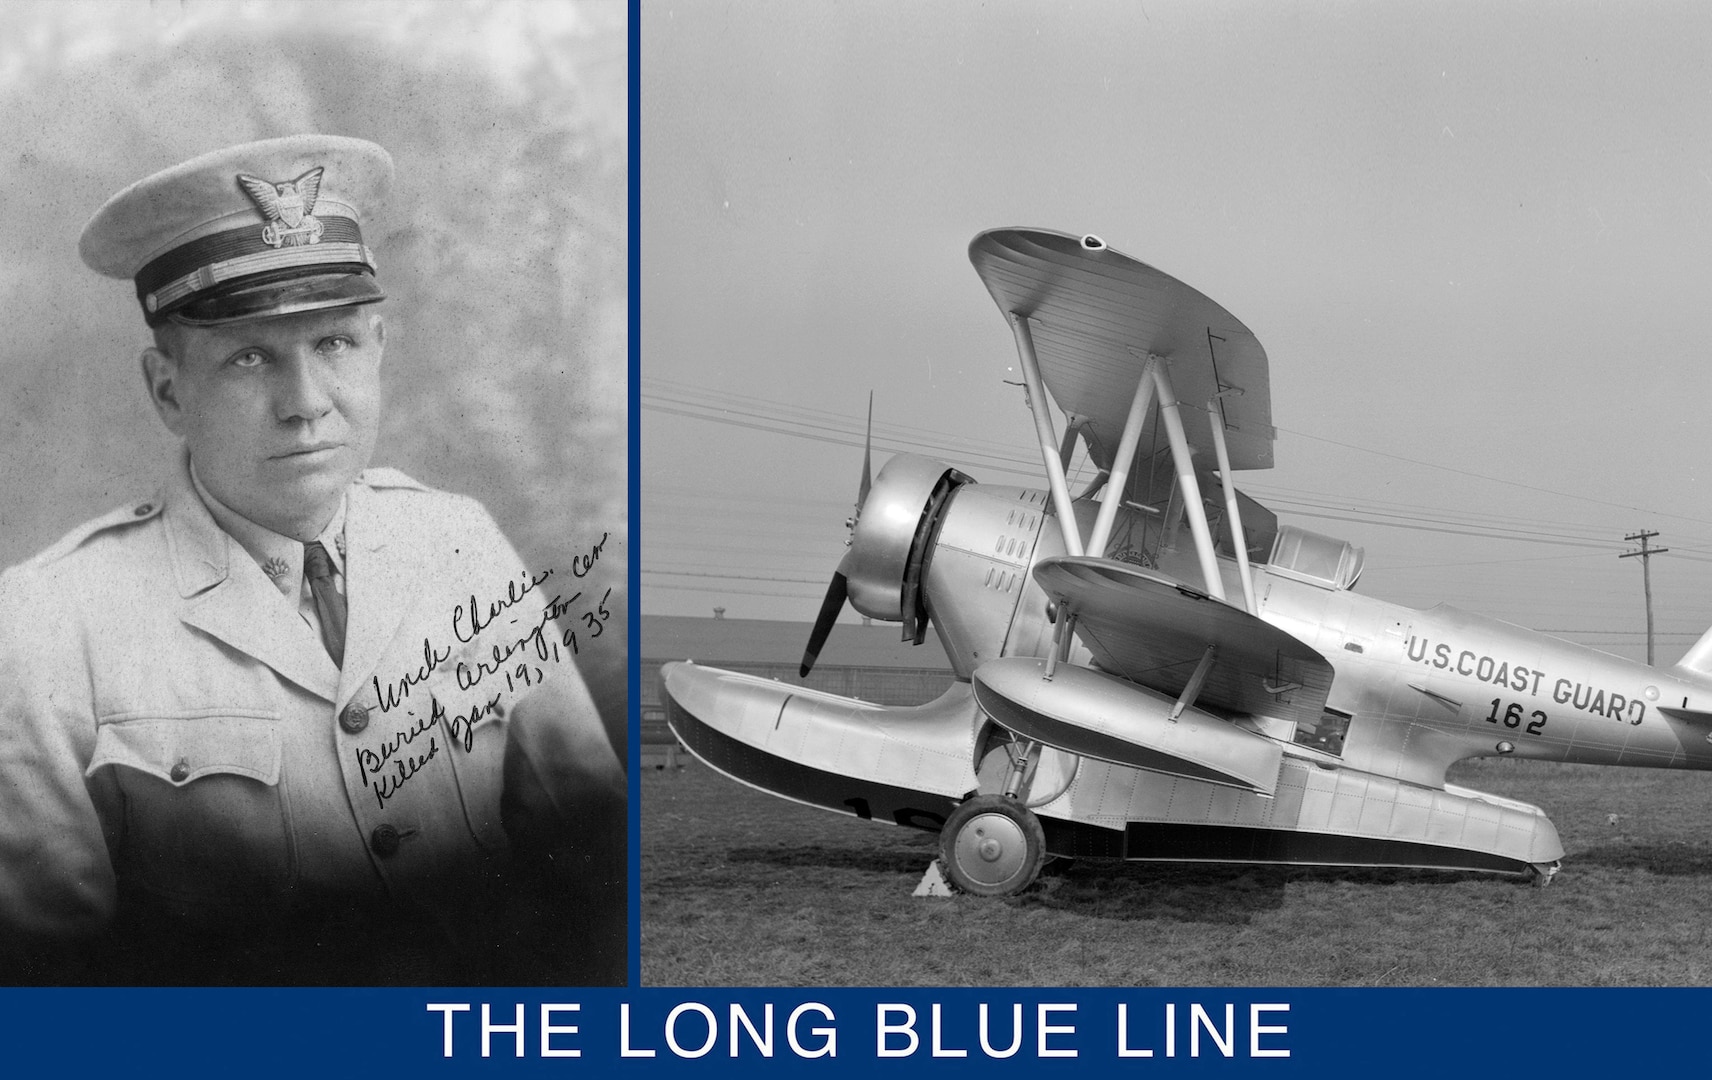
{"x": 175, "y": 739}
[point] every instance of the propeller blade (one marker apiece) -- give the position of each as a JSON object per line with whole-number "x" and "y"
{"x": 867, "y": 458}
{"x": 836, "y": 592}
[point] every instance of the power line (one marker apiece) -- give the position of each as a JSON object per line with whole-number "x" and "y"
{"x": 1482, "y": 476}
{"x": 768, "y": 415}
{"x": 736, "y": 577}
{"x": 838, "y": 429}
{"x": 720, "y": 591}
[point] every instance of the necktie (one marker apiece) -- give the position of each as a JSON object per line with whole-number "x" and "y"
{"x": 329, "y": 605}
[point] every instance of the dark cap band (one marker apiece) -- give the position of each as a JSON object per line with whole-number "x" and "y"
{"x": 227, "y": 261}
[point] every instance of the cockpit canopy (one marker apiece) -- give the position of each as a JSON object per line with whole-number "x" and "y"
{"x": 1319, "y": 560}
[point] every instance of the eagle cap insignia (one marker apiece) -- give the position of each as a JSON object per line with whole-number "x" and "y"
{"x": 288, "y": 206}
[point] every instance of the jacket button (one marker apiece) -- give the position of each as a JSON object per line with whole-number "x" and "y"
{"x": 384, "y": 840}
{"x": 180, "y": 771}
{"x": 354, "y": 719}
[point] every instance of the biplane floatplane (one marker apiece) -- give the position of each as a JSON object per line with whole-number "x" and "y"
{"x": 1153, "y": 667}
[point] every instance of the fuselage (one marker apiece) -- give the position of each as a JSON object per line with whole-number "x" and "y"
{"x": 1415, "y": 690}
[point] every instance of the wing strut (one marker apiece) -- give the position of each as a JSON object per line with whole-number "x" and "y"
{"x": 1038, "y": 405}
{"x": 1192, "y": 689}
{"x": 1063, "y": 633}
{"x": 1232, "y": 514}
{"x": 1203, "y": 533}
{"x": 1072, "y": 428}
{"x": 1127, "y": 443}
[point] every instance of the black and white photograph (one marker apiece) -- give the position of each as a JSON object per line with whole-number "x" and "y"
{"x": 1175, "y": 494}
{"x": 313, "y": 664}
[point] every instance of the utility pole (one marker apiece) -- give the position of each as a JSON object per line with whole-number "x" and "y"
{"x": 1646, "y": 555}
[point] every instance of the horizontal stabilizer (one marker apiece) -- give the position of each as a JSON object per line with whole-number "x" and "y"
{"x": 1085, "y": 712}
{"x": 1692, "y": 716}
{"x": 1154, "y": 631}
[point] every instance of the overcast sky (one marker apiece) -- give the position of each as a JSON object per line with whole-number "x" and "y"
{"x": 1473, "y": 239}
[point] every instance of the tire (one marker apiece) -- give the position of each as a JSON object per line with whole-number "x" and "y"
{"x": 992, "y": 846}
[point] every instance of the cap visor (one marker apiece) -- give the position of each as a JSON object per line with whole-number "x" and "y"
{"x": 270, "y": 299}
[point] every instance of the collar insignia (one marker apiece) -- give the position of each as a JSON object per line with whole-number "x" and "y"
{"x": 276, "y": 568}
{"x": 288, "y": 207}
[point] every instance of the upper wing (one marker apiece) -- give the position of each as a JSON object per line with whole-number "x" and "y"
{"x": 1096, "y": 314}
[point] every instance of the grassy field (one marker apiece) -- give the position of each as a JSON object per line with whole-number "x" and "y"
{"x": 743, "y": 889}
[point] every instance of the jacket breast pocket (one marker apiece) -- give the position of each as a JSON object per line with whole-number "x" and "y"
{"x": 202, "y": 816}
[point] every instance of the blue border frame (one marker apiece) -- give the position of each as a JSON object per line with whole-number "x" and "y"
{"x": 633, "y": 706}
{"x": 266, "y": 1033}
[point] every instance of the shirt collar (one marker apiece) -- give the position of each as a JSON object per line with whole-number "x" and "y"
{"x": 279, "y": 556}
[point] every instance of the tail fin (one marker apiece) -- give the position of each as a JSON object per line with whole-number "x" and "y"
{"x": 1696, "y": 663}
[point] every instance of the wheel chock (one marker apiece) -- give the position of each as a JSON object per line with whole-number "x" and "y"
{"x": 933, "y": 882}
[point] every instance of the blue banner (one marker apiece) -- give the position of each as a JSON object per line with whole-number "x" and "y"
{"x": 263, "y": 1033}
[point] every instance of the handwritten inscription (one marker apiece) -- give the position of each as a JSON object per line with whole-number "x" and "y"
{"x": 374, "y": 759}
{"x": 582, "y": 564}
{"x": 395, "y": 693}
{"x": 503, "y": 663}
{"x": 462, "y": 726}
{"x": 495, "y": 608}
{"x": 403, "y": 768}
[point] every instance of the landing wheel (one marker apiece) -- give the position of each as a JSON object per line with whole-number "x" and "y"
{"x": 992, "y": 846}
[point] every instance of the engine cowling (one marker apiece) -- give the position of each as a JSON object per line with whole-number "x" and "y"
{"x": 892, "y": 535}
